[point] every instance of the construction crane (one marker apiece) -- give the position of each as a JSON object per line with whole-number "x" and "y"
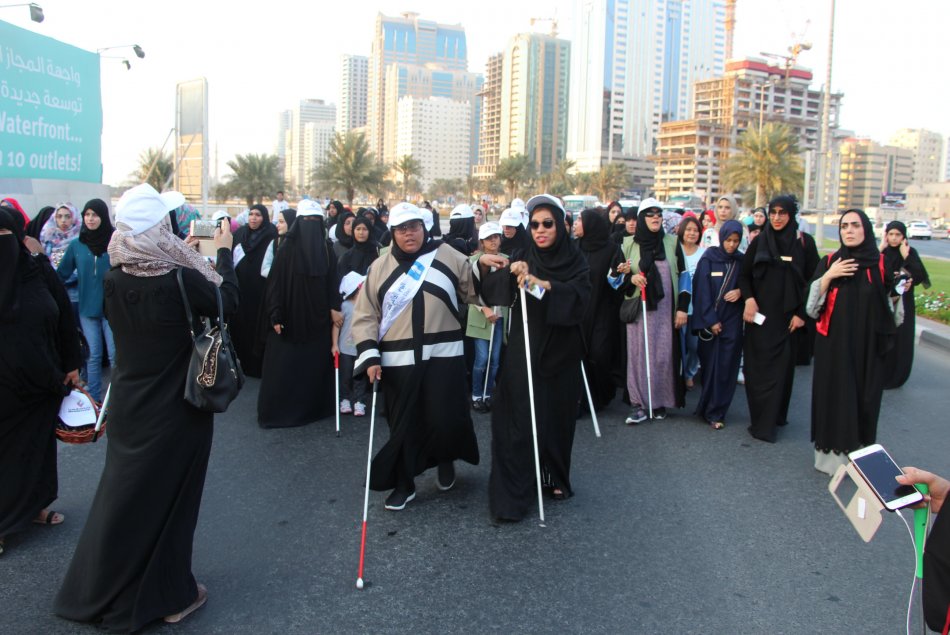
{"x": 552, "y": 21}
{"x": 800, "y": 44}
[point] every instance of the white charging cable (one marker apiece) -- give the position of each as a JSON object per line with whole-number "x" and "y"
{"x": 913, "y": 542}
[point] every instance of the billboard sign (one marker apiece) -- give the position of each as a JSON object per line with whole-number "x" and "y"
{"x": 891, "y": 200}
{"x": 191, "y": 149}
{"x": 50, "y": 108}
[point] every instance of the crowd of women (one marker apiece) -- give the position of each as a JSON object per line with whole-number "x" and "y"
{"x": 640, "y": 304}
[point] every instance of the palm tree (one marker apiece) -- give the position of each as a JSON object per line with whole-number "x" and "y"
{"x": 768, "y": 161}
{"x": 350, "y": 167}
{"x": 610, "y": 180}
{"x": 562, "y": 181}
{"x": 444, "y": 188}
{"x": 583, "y": 182}
{"x": 513, "y": 171}
{"x": 155, "y": 168}
{"x": 407, "y": 169}
{"x": 473, "y": 185}
{"x": 255, "y": 176}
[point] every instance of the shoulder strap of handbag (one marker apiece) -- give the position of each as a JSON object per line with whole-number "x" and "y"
{"x": 725, "y": 282}
{"x": 184, "y": 300}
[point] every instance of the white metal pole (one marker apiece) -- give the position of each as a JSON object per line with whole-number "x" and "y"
{"x": 534, "y": 422}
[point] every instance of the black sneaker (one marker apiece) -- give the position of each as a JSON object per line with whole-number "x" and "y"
{"x": 636, "y": 415}
{"x": 478, "y": 405}
{"x": 446, "y": 478}
{"x": 659, "y": 413}
{"x": 397, "y": 500}
{"x": 487, "y": 403}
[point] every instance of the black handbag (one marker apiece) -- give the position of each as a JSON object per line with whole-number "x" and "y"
{"x": 214, "y": 375}
{"x": 630, "y": 309}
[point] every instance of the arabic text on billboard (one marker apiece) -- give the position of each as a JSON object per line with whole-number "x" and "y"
{"x": 50, "y": 108}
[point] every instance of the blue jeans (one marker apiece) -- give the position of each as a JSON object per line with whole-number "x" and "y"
{"x": 95, "y": 329}
{"x": 481, "y": 363}
{"x": 690, "y": 344}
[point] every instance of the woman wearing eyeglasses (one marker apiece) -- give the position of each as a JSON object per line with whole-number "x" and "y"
{"x": 653, "y": 262}
{"x": 553, "y": 267}
{"x": 774, "y": 275}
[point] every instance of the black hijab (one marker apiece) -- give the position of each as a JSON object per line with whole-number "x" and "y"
{"x": 290, "y": 215}
{"x": 362, "y": 255}
{"x": 518, "y": 242}
{"x": 35, "y": 226}
{"x": 307, "y": 246}
{"x": 651, "y": 250}
{"x": 378, "y": 228}
{"x": 97, "y": 239}
{"x": 718, "y": 253}
{"x": 596, "y": 231}
{"x": 251, "y": 239}
{"x": 865, "y": 254}
{"x": 341, "y": 237}
{"x": 783, "y": 249}
{"x": 893, "y": 259}
{"x": 406, "y": 260}
{"x": 560, "y": 262}
{"x": 16, "y": 265}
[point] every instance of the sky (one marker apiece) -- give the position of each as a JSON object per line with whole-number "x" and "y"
{"x": 263, "y": 57}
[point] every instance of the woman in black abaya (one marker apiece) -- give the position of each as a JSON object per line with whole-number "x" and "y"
{"x": 773, "y": 285}
{"x": 552, "y": 261}
{"x": 253, "y": 239}
{"x": 38, "y": 361}
{"x": 364, "y": 251}
{"x": 302, "y": 304}
{"x": 601, "y": 326}
{"x": 850, "y": 299}
{"x": 132, "y": 564}
{"x": 902, "y": 260}
{"x": 343, "y": 231}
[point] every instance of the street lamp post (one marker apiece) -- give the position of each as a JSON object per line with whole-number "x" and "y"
{"x": 139, "y": 53}
{"x": 823, "y": 158}
{"x": 36, "y": 11}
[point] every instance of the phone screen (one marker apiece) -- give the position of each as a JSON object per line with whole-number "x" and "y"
{"x": 880, "y": 470}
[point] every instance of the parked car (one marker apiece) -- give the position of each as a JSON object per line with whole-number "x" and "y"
{"x": 919, "y": 229}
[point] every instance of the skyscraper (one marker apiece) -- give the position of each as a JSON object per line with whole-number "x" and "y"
{"x": 407, "y": 40}
{"x": 534, "y": 96}
{"x": 928, "y": 152}
{"x": 284, "y": 119}
{"x": 435, "y": 131}
{"x": 311, "y": 128}
{"x": 489, "y": 140}
{"x": 633, "y": 66}
{"x": 354, "y": 78}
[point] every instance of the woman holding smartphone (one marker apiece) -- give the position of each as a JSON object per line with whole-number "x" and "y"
{"x": 902, "y": 263}
{"x": 850, "y": 299}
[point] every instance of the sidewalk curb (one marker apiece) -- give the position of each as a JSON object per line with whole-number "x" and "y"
{"x": 933, "y": 334}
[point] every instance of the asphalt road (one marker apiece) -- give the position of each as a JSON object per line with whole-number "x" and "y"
{"x": 675, "y": 528}
{"x": 938, "y": 248}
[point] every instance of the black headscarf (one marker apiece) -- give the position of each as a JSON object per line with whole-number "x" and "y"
{"x": 596, "y": 230}
{"x": 307, "y": 245}
{"x": 290, "y": 215}
{"x": 378, "y": 228}
{"x": 97, "y": 239}
{"x": 341, "y": 237}
{"x": 718, "y": 253}
{"x": 774, "y": 246}
{"x": 894, "y": 260}
{"x": 16, "y": 265}
{"x": 865, "y": 254}
{"x": 35, "y": 226}
{"x": 334, "y": 219}
{"x": 362, "y": 255}
{"x": 651, "y": 250}
{"x": 518, "y": 242}
{"x": 405, "y": 259}
{"x": 251, "y": 239}
{"x": 560, "y": 262}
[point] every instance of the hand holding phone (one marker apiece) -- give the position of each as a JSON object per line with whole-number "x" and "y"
{"x": 880, "y": 471}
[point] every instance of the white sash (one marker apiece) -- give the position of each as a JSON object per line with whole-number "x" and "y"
{"x": 402, "y": 291}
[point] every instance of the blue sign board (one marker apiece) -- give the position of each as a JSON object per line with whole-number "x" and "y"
{"x": 50, "y": 109}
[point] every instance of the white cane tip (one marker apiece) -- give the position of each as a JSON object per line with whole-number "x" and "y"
{"x": 541, "y": 525}
{"x": 359, "y": 583}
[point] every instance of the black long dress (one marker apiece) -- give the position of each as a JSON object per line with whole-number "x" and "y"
{"x": 900, "y": 360}
{"x": 132, "y": 564}
{"x": 40, "y": 346}
{"x": 805, "y": 336}
{"x": 855, "y": 332}
{"x": 557, "y": 348}
{"x": 244, "y": 324}
{"x": 297, "y": 387}
{"x": 601, "y": 326}
{"x": 773, "y": 273}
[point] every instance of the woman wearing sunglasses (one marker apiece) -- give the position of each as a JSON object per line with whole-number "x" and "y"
{"x": 653, "y": 261}
{"x": 553, "y": 268}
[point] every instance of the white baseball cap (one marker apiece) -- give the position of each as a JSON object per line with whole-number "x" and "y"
{"x": 404, "y": 213}
{"x": 462, "y": 210}
{"x": 350, "y": 283}
{"x": 140, "y": 208}
{"x": 511, "y": 217}
{"x": 517, "y": 204}
{"x": 543, "y": 199}
{"x": 309, "y": 207}
{"x": 488, "y": 229}
{"x": 647, "y": 203}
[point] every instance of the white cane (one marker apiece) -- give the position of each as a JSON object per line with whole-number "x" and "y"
{"x": 590, "y": 401}
{"x": 102, "y": 414}
{"x": 534, "y": 422}
{"x": 646, "y": 347}
{"x": 491, "y": 340}
{"x": 336, "y": 364}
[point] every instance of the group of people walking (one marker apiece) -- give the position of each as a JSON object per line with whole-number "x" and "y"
{"x": 479, "y": 319}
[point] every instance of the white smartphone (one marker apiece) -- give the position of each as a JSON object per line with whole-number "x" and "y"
{"x": 879, "y": 470}
{"x": 759, "y": 318}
